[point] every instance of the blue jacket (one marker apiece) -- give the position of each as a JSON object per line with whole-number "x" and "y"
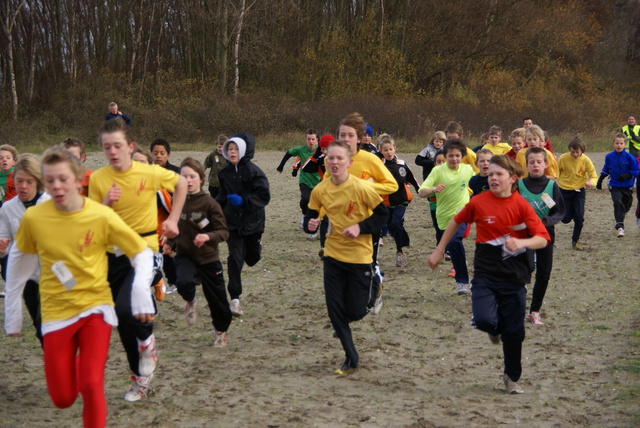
{"x": 616, "y": 164}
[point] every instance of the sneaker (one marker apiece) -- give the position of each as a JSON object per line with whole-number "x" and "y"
{"x": 380, "y": 243}
{"x": 301, "y": 224}
{"x": 321, "y": 252}
{"x": 511, "y": 386}
{"x": 534, "y": 318}
{"x": 452, "y": 274}
{"x": 236, "y": 311}
{"x": 219, "y": 339}
{"x": 621, "y": 232}
{"x": 462, "y": 288}
{"x": 139, "y": 388}
{"x": 377, "y": 306}
{"x": 346, "y": 368}
{"x": 447, "y": 257}
{"x": 312, "y": 236}
{"x": 159, "y": 290}
{"x": 576, "y": 246}
{"x": 148, "y": 357}
{"x": 2, "y": 294}
{"x": 401, "y": 261}
{"x": 191, "y": 312}
{"x": 494, "y": 339}
{"x": 171, "y": 289}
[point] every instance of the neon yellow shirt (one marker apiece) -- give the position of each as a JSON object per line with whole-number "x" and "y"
{"x": 79, "y": 240}
{"x": 137, "y": 205}
{"x": 349, "y": 203}
{"x": 455, "y": 194}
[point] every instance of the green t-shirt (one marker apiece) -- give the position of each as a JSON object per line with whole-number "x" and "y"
{"x": 455, "y": 194}
{"x": 311, "y": 179}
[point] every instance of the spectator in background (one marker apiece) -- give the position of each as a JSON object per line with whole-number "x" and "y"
{"x": 114, "y": 112}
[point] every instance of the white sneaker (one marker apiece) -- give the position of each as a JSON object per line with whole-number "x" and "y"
{"x": 236, "y": 311}
{"x": 511, "y": 387}
{"x": 301, "y": 224}
{"x": 139, "y": 388}
{"x": 377, "y": 305}
{"x": 462, "y": 288}
{"x": 312, "y": 236}
{"x": 621, "y": 232}
{"x": 219, "y": 339}
{"x": 148, "y": 357}
{"x": 171, "y": 289}
{"x": 191, "y": 312}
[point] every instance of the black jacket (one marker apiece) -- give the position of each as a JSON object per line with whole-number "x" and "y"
{"x": 248, "y": 181}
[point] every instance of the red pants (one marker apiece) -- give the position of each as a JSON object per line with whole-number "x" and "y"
{"x": 74, "y": 362}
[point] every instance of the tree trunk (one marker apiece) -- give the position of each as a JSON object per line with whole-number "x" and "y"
{"x": 236, "y": 49}
{"x": 8, "y": 28}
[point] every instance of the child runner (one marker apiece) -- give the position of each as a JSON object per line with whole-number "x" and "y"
{"x": 202, "y": 227}
{"x": 516, "y": 141}
{"x": 454, "y": 130}
{"x": 433, "y": 204}
{"x": 244, "y": 193}
{"x": 215, "y": 161}
{"x": 366, "y": 144}
{"x": 546, "y": 200}
{"x": 427, "y": 157}
{"x": 355, "y": 211}
{"x": 306, "y": 181}
{"x": 23, "y": 270}
{"x": 576, "y": 172}
{"x": 495, "y": 146}
{"x": 161, "y": 151}
{"x": 71, "y": 234}
{"x": 622, "y": 169}
{"x": 397, "y": 201}
{"x": 368, "y": 167}
{"x": 450, "y": 183}
{"x": 8, "y": 158}
{"x": 534, "y": 137}
{"x": 130, "y": 189}
{"x": 480, "y": 182}
{"x": 77, "y": 148}
{"x": 506, "y": 226}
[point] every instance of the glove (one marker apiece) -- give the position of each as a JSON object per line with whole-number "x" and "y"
{"x": 294, "y": 172}
{"x": 235, "y": 199}
{"x": 600, "y": 180}
{"x": 625, "y": 176}
{"x": 317, "y": 153}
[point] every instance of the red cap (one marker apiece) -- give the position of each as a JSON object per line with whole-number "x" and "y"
{"x": 325, "y": 140}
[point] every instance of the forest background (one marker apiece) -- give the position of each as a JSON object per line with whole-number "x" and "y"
{"x": 187, "y": 70}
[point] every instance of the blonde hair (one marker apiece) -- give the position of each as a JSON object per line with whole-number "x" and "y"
{"x": 438, "y": 135}
{"x": 29, "y": 164}
{"x": 9, "y": 148}
{"x": 58, "y": 155}
{"x": 385, "y": 139}
{"x": 518, "y": 133}
{"x": 536, "y": 131}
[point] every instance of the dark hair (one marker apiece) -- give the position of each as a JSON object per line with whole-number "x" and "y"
{"x": 495, "y": 130}
{"x": 311, "y": 131}
{"x": 194, "y": 165}
{"x": 577, "y": 144}
{"x": 114, "y": 125}
{"x": 355, "y": 121}
{"x": 74, "y": 142}
{"x": 454, "y": 143}
{"x": 160, "y": 142}
{"x": 535, "y": 151}
{"x": 453, "y": 128}
{"x": 483, "y": 152}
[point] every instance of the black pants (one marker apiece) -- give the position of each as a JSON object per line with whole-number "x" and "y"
{"x": 241, "y": 249}
{"x": 622, "y": 200}
{"x": 31, "y": 296}
{"x": 120, "y": 279}
{"x": 544, "y": 264}
{"x": 213, "y": 191}
{"x": 499, "y": 308}
{"x": 574, "y": 202}
{"x": 305, "y": 195}
{"x": 210, "y": 276}
{"x": 169, "y": 269}
{"x": 348, "y": 290}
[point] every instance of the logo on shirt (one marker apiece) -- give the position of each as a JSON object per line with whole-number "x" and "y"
{"x": 351, "y": 209}
{"x": 141, "y": 186}
{"x": 490, "y": 219}
{"x": 87, "y": 240}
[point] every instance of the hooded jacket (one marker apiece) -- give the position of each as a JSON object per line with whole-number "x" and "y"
{"x": 247, "y": 180}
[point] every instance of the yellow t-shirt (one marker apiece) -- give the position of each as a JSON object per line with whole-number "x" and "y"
{"x": 369, "y": 167}
{"x": 349, "y": 203}
{"x": 470, "y": 159}
{"x": 575, "y": 172}
{"x": 498, "y": 149}
{"x": 137, "y": 205}
{"x": 552, "y": 164}
{"x": 79, "y": 240}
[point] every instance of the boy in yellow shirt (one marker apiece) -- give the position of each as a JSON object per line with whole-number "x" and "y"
{"x": 495, "y": 145}
{"x": 534, "y": 137}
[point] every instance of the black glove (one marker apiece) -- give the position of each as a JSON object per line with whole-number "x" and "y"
{"x": 625, "y": 176}
{"x": 317, "y": 153}
{"x": 294, "y": 172}
{"x": 600, "y": 180}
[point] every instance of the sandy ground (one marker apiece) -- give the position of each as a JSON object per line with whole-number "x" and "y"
{"x": 422, "y": 365}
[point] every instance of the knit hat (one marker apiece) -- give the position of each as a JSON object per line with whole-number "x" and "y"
{"x": 369, "y": 131}
{"x": 325, "y": 140}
